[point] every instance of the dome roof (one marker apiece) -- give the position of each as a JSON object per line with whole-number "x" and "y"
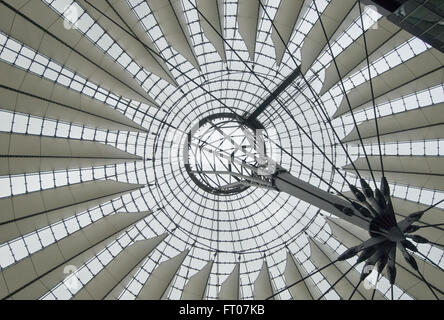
{"x": 128, "y": 127}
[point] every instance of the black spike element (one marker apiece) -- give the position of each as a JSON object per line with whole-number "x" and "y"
{"x": 412, "y": 228}
{"x": 349, "y": 253}
{"x": 366, "y": 271}
{"x": 385, "y": 189}
{"x": 409, "y": 245}
{"x": 411, "y": 261}
{"x": 362, "y": 210}
{"x": 416, "y": 216}
{"x": 386, "y": 234}
{"x": 391, "y": 273}
{"x": 391, "y": 269}
{"x": 346, "y": 210}
{"x": 357, "y": 193}
{"x": 380, "y": 199}
{"x": 366, "y": 253}
{"x": 365, "y": 212}
{"x": 382, "y": 262}
{"x": 367, "y": 190}
{"x": 418, "y": 239}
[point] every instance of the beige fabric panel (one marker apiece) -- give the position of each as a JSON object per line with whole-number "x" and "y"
{"x": 348, "y": 234}
{"x": 343, "y": 288}
{"x": 284, "y": 22}
{"x": 115, "y": 271}
{"x": 68, "y": 47}
{"x": 121, "y": 286}
{"x": 117, "y": 29}
{"x": 337, "y": 13}
{"x": 430, "y": 80}
{"x": 353, "y": 276}
{"x": 406, "y": 277}
{"x": 25, "y": 213}
{"x": 409, "y": 279}
{"x": 196, "y": 286}
{"x": 3, "y": 286}
{"x": 419, "y": 171}
{"x": 303, "y": 290}
{"x": 382, "y": 38}
{"x": 115, "y": 293}
{"x": 59, "y": 102}
{"x": 433, "y": 216}
{"x": 138, "y": 30}
{"x": 263, "y": 287}
{"x": 435, "y": 131}
{"x": 31, "y": 153}
{"x": 420, "y": 72}
{"x": 413, "y": 125}
{"x": 171, "y": 19}
{"x": 248, "y": 14}
{"x": 60, "y": 253}
{"x": 160, "y": 279}
{"x": 50, "y": 280}
{"x": 213, "y": 11}
{"x": 230, "y": 288}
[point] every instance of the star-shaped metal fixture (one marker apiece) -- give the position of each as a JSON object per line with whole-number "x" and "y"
{"x": 386, "y": 234}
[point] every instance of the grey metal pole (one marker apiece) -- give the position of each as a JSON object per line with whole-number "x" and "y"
{"x": 285, "y": 182}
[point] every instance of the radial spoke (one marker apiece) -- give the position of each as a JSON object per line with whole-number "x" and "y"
{"x": 371, "y": 89}
{"x": 428, "y": 284}
{"x": 337, "y": 281}
{"x": 315, "y": 97}
{"x": 302, "y": 279}
{"x": 428, "y": 259}
{"x": 270, "y": 92}
{"x": 434, "y": 205}
{"x": 345, "y": 93}
{"x": 354, "y": 289}
{"x": 376, "y": 285}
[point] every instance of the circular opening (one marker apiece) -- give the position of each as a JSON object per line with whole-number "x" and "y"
{"x": 222, "y": 153}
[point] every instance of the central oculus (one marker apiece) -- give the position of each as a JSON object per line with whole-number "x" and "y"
{"x": 224, "y": 155}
